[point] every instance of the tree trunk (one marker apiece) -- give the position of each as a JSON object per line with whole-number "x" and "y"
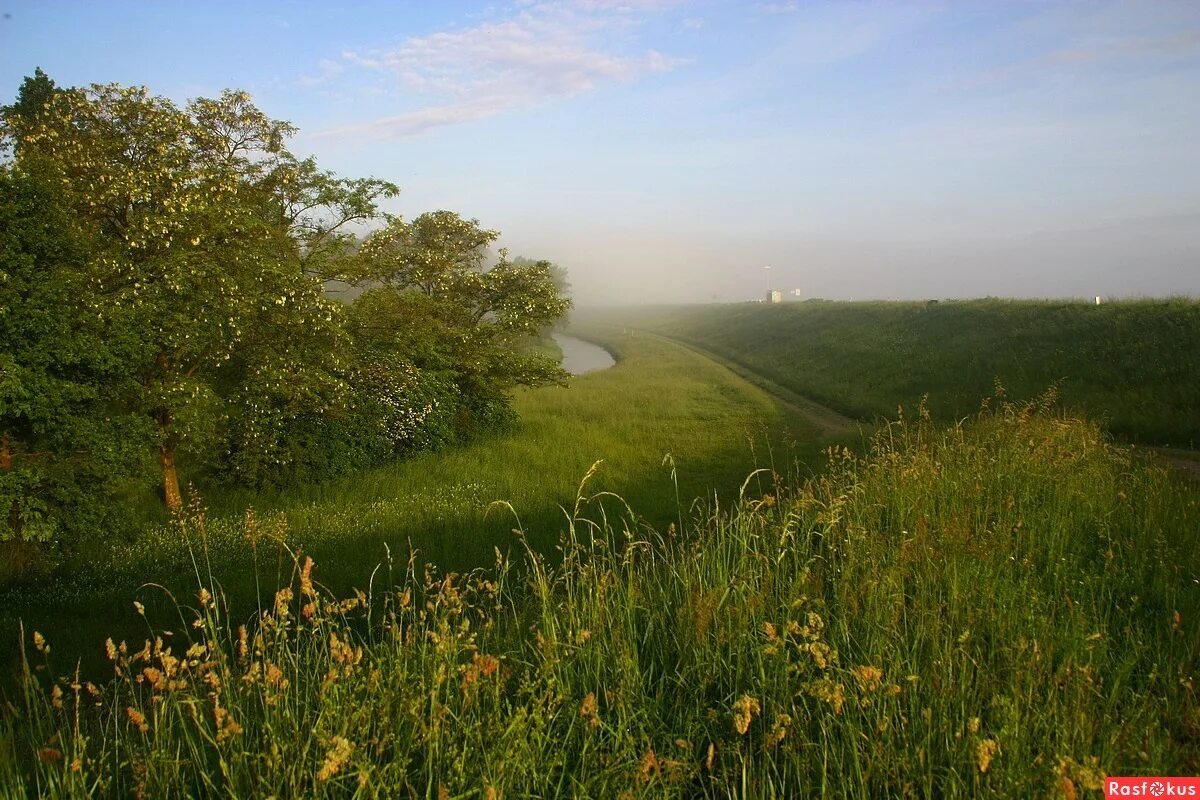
{"x": 166, "y": 457}
{"x": 166, "y": 454}
{"x": 6, "y": 465}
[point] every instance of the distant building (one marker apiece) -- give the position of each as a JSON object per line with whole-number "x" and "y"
{"x": 774, "y": 296}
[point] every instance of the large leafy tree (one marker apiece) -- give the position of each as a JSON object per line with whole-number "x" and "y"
{"x": 435, "y": 302}
{"x": 206, "y": 238}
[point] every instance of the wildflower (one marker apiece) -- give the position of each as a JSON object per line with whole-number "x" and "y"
{"x": 227, "y": 726}
{"x": 274, "y": 677}
{"x": 827, "y": 690}
{"x": 283, "y": 599}
{"x": 973, "y": 725}
{"x": 779, "y": 730}
{"x": 39, "y": 642}
{"x": 49, "y": 755}
{"x": 743, "y": 712}
{"x": 869, "y": 678}
{"x": 985, "y": 751}
{"x": 589, "y": 709}
{"x": 649, "y": 766}
{"x": 137, "y": 718}
{"x": 342, "y": 652}
{"x": 56, "y": 695}
{"x": 110, "y": 649}
{"x": 822, "y": 654}
{"x": 487, "y": 664}
{"x": 1087, "y": 775}
{"x": 153, "y": 677}
{"x": 306, "y": 584}
{"x": 813, "y": 627}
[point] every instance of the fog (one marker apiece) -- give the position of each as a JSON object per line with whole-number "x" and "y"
{"x": 1137, "y": 258}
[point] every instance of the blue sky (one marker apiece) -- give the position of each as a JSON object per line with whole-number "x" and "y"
{"x": 668, "y": 151}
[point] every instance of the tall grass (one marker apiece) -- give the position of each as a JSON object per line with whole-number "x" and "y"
{"x": 1003, "y": 608}
{"x": 1130, "y": 364}
{"x": 659, "y": 399}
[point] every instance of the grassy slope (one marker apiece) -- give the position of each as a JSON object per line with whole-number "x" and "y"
{"x": 1132, "y": 364}
{"x": 659, "y": 399}
{"x": 1007, "y": 609}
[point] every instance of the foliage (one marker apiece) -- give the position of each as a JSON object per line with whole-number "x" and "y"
{"x": 204, "y": 251}
{"x": 434, "y": 304}
{"x": 885, "y": 629}
{"x": 33, "y": 96}
{"x": 63, "y": 442}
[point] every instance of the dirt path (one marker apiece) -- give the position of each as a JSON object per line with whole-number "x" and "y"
{"x": 1185, "y": 463}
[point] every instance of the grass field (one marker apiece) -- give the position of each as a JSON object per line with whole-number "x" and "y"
{"x": 1003, "y": 609}
{"x": 1133, "y": 365}
{"x": 1007, "y": 607}
{"x": 659, "y": 400}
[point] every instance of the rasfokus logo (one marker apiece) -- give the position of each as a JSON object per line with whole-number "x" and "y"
{"x": 1151, "y": 787}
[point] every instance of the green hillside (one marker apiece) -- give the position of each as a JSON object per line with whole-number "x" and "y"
{"x": 1134, "y": 365}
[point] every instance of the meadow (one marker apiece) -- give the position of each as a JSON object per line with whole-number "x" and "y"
{"x": 667, "y": 424}
{"x": 671, "y": 579}
{"x": 1129, "y": 364}
{"x": 1003, "y": 608}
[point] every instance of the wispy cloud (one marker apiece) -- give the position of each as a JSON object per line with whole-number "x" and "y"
{"x": 538, "y": 53}
{"x": 327, "y": 70}
{"x": 1094, "y": 51}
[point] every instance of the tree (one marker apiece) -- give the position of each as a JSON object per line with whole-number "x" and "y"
{"x": 434, "y": 303}
{"x": 206, "y": 235}
{"x": 62, "y": 442}
{"x": 33, "y": 97}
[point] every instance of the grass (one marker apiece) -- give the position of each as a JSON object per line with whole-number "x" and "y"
{"x": 1005, "y": 608}
{"x": 659, "y": 400}
{"x": 1130, "y": 364}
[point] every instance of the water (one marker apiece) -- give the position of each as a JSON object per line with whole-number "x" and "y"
{"x": 580, "y": 356}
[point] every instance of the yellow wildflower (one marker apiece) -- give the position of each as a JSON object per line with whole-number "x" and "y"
{"x": 743, "y": 712}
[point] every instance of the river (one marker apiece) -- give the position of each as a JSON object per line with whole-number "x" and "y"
{"x": 580, "y": 356}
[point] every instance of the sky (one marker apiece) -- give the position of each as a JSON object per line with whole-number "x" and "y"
{"x": 673, "y": 151}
